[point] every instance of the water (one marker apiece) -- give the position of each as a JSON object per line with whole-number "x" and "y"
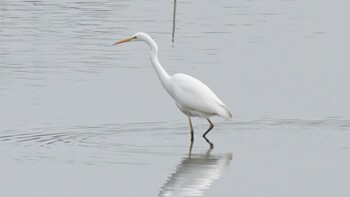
{"x": 80, "y": 117}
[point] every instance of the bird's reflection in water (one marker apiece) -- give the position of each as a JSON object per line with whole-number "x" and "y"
{"x": 195, "y": 174}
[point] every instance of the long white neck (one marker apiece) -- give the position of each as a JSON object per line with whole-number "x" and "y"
{"x": 162, "y": 74}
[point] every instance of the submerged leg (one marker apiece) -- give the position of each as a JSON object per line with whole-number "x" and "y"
{"x": 191, "y": 127}
{"x": 211, "y": 126}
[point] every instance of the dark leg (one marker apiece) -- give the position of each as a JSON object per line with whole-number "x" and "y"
{"x": 211, "y": 126}
{"x": 191, "y": 127}
{"x": 190, "y": 150}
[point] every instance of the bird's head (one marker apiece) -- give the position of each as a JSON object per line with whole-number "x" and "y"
{"x": 140, "y": 36}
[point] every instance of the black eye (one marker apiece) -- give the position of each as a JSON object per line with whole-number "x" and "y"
{"x": 135, "y": 37}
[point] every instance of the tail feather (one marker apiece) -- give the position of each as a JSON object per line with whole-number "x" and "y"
{"x": 225, "y": 112}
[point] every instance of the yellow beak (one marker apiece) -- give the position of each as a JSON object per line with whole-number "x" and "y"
{"x": 124, "y": 40}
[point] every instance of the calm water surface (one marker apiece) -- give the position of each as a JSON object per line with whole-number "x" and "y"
{"x": 80, "y": 117}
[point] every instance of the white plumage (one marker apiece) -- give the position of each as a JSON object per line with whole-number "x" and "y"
{"x": 191, "y": 96}
{"x": 194, "y": 98}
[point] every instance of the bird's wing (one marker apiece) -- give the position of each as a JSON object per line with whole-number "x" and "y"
{"x": 192, "y": 94}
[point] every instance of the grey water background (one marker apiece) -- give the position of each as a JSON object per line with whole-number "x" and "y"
{"x": 80, "y": 117}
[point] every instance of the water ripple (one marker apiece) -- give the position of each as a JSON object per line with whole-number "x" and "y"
{"x": 106, "y": 143}
{"x": 330, "y": 123}
{"x": 77, "y": 134}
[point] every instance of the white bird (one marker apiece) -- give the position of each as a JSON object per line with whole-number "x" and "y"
{"x": 191, "y": 96}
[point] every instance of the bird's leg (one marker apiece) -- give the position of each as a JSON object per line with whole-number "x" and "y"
{"x": 190, "y": 150}
{"x": 191, "y": 127}
{"x": 211, "y": 126}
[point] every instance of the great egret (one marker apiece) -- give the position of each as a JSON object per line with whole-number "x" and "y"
{"x": 191, "y": 96}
